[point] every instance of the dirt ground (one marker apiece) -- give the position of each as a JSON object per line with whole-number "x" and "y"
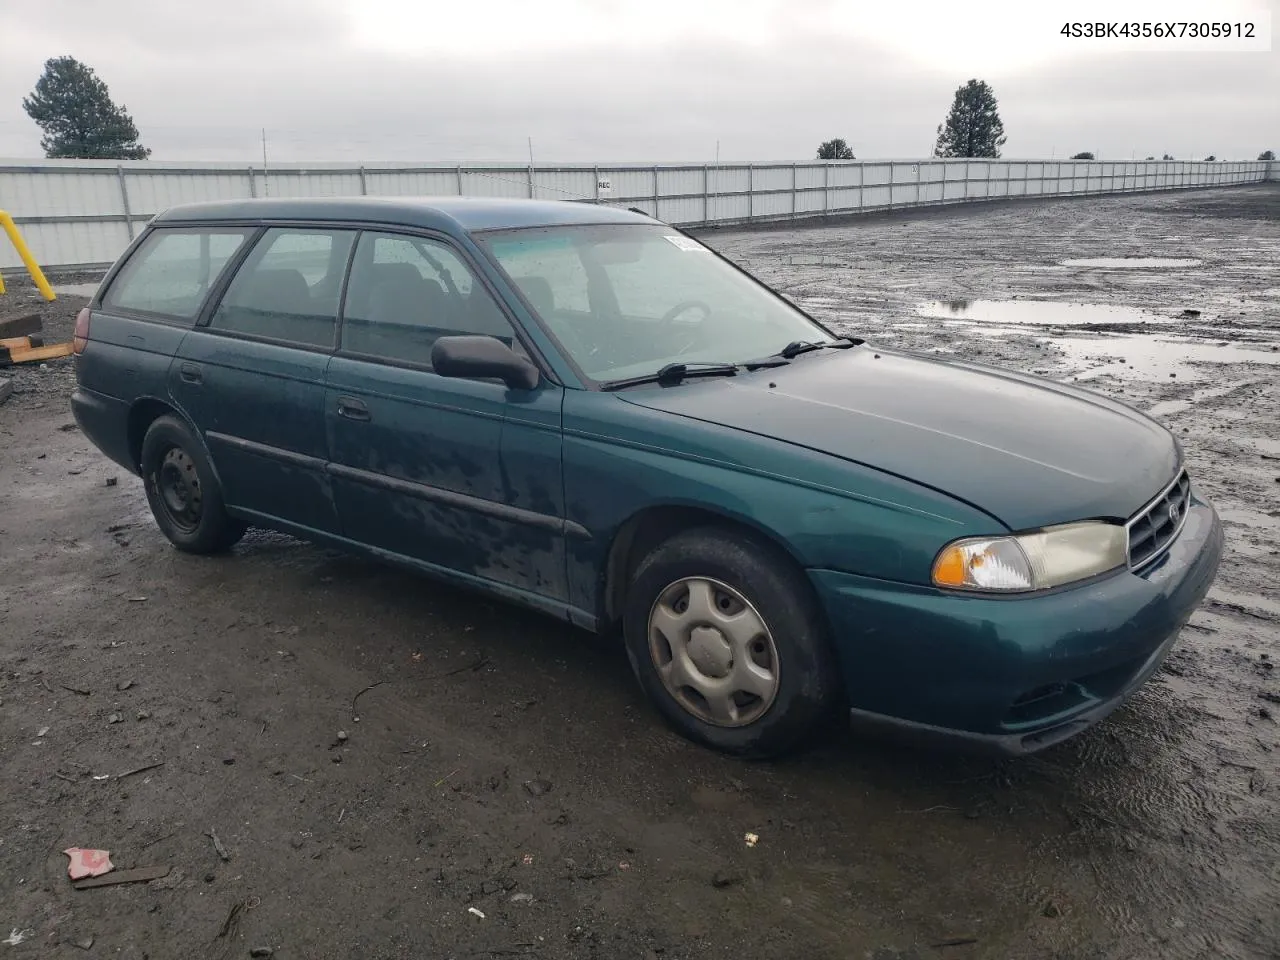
{"x": 499, "y": 788}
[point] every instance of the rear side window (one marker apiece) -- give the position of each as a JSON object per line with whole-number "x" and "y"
{"x": 172, "y": 270}
{"x": 288, "y": 287}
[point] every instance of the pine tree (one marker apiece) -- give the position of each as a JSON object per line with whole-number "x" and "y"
{"x": 75, "y": 111}
{"x": 973, "y": 127}
{"x": 835, "y": 149}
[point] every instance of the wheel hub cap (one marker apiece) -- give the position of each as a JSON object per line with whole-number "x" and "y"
{"x": 713, "y": 652}
{"x": 710, "y": 652}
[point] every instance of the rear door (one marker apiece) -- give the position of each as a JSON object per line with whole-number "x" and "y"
{"x": 463, "y": 475}
{"x": 148, "y": 305}
{"x": 251, "y": 377}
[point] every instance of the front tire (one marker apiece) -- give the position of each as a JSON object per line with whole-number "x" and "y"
{"x": 183, "y": 490}
{"x": 726, "y": 638}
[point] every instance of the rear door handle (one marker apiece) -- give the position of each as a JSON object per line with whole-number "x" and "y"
{"x": 191, "y": 373}
{"x": 352, "y": 409}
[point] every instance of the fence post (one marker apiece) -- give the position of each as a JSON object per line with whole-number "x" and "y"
{"x": 892, "y": 177}
{"x": 826, "y": 188}
{"x": 364, "y": 187}
{"x": 919, "y": 188}
{"x": 706, "y": 194}
{"x": 656, "y": 192}
{"x": 751, "y": 191}
{"x": 531, "y": 178}
{"x": 124, "y": 200}
{"x": 458, "y": 172}
{"x": 253, "y": 187}
{"x": 966, "y": 179}
{"x": 794, "y": 194}
{"x": 862, "y": 181}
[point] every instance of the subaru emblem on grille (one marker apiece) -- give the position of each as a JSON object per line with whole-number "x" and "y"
{"x": 1175, "y": 511}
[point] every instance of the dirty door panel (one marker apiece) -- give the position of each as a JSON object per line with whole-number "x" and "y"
{"x": 253, "y": 380}
{"x": 460, "y": 474}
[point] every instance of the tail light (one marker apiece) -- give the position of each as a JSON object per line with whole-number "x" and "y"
{"x": 81, "y": 336}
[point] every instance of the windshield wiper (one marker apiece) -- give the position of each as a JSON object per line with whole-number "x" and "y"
{"x": 797, "y": 347}
{"x": 673, "y": 373}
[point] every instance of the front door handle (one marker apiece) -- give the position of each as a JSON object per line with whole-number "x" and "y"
{"x": 352, "y": 409}
{"x": 191, "y": 373}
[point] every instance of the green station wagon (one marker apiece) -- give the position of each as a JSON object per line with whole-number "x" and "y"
{"x": 584, "y": 410}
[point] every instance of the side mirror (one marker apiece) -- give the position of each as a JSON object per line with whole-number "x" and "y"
{"x": 482, "y": 358}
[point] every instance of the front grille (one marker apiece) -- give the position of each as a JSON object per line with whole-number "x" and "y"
{"x": 1156, "y": 525}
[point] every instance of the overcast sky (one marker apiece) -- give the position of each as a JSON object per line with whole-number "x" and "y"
{"x": 636, "y": 80}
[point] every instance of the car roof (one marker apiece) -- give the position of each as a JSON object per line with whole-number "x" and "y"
{"x": 449, "y": 214}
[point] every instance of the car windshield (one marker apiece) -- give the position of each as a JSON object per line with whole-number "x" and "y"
{"x": 625, "y": 300}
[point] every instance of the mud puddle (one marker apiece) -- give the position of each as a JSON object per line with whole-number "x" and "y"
{"x": 1142, "y": 357}
{"x": 1038, "y": 313}
{"x": 1132, "y": 263}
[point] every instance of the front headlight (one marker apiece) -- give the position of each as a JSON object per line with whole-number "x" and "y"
{"x": 1032, "y": 561}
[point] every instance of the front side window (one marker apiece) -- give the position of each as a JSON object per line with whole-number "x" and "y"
{"x": 172, "y": 270}
{"x": 625, "y": 300}
{"x": 288, "y": 287}
{"x": 406, "y": 292}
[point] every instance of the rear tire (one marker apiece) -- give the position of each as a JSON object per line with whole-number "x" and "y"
{"x": 727, "y": 639}
{"x": 183, "y": 490}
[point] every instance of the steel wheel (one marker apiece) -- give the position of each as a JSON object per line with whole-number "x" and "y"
{"x": 178, "y": 485}
{"x": 713, "y": 652}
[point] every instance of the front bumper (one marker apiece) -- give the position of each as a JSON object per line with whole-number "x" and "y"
{"x": 1013, "y": 675}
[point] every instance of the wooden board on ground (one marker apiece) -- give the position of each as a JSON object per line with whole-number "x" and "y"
{"x": 10, "y": 355}
{"x": 140, "y": 875}
{"x": 20, "y": 326}
{"x": 21, "y": 343}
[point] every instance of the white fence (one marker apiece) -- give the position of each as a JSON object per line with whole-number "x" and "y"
{"x": 81, "y": 212}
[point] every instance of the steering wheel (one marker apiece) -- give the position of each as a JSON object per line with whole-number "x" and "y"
{"x": 668, "y": 322}
{"x": 684, "y": 306}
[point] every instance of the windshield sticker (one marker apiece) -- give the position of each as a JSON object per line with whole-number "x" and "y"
{"x": 687, "y": 244}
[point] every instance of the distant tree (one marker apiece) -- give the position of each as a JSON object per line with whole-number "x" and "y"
{"x": 973, "y": 127}
{"x": 1150, "y": 158}
{"x": 1267, "y": 155}
{"x": 1211, "y": 157}
{"x": 1085, "y": 155}
{"x": 835, "y": 149}
{"x": 75, "y": 111}
{"x": 1168, "y": 156}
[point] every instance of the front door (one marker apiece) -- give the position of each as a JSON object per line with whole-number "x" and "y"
{"x": 253, "y": 378}
{"x": 461, "y": 475}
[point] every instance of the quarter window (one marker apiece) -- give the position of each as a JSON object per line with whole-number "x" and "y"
{"x": 172, "y": 270}
{"x": 288, "y": 287}
{"x": 406, "y": 292}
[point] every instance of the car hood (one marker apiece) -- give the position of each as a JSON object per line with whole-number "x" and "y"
{"x": 1027, "y": 451}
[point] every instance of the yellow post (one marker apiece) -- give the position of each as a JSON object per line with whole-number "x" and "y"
{"x": 20, "y": 245}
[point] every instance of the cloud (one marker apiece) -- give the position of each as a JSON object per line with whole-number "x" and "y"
{"x": 603, "y": 81}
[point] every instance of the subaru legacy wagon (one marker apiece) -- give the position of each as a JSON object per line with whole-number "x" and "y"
{"x": 584, "y": 410}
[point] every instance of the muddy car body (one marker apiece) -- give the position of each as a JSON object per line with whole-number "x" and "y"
{"x": 581, "y": 409}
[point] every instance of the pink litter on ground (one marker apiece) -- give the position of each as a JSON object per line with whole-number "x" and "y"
{"x": 88, "y": 863}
